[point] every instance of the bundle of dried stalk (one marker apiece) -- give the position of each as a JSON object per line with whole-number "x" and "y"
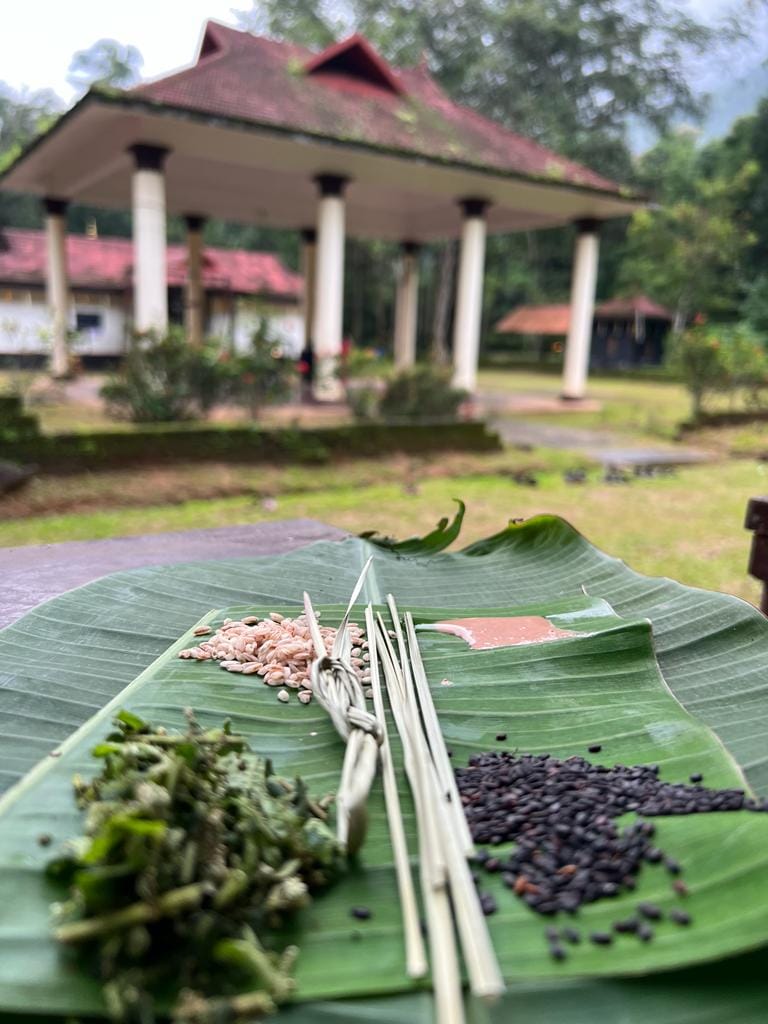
{"x": 337, "y": 687}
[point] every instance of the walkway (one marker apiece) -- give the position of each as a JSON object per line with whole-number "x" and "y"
{"x": 602, "y": 446}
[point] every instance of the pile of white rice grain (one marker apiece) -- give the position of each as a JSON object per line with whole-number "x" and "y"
{"x": 277, "y": 648}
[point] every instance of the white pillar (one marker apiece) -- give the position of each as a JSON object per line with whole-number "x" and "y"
{"x": 329, "y": 286}
{"x": 469, "y": 295}
{"x": 407, "y": 307}
{"x": 56, "y": 283}
{"x": 308, "y": 263}
{"x": 583, "y": 281}
{"x": 150, "y": 275}
{"x": 194, "y": 296}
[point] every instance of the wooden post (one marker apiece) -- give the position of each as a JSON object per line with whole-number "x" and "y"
{"x": 757, "y": 521}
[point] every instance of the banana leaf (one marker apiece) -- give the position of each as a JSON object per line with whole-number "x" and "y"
{"x": 74, "y": 653}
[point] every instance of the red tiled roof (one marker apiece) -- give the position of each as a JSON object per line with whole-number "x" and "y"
{"x": 108, "y": 263}
{"x": 628, "y": 307}
{"x": 350, "y": 93}
{"x": 556, "y": 318}
{"x": 552, "y": 319}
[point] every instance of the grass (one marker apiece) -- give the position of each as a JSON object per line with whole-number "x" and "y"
{"x": 688, "y": 526}
{"x": 644, "y": 408}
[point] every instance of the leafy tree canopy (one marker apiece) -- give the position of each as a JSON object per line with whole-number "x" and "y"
{"x": 106, "y": 62}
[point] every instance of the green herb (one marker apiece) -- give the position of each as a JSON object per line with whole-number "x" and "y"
{"x": 194, "y": 853}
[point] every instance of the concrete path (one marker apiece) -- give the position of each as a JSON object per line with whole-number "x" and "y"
{"x": 606, "y": 448}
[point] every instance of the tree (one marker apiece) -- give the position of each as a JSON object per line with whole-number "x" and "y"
{"x": 23, "y": 115}
{"x": 106, "y": 62}
{"x": 689, "y": 252}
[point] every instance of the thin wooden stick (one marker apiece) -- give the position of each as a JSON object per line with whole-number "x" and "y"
{"x": 485, "y": 976}
{"x": 446, "y": 982}
{"x": 407, "y": 724}
{"x": 436, "y": 739}
{"x": 415, "y": 955}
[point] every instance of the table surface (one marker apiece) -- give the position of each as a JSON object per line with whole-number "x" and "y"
{"x": 30, "y": 575}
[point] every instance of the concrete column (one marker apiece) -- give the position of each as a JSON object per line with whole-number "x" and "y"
{"x": 150, "y": 275}
{"x": 407, "y": 307}
{"x": 56, "y": 283}
{"x": 308, "y": 262}
{"x": 329, "y": 287}
{"x": 469, "y": 295}
{"x": 194, "y": 295}
{"x": 583, "y": 281}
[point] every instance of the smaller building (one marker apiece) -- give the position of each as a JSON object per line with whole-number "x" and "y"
{"x": 243, "y": 292}
{"x": 626, "y": 333}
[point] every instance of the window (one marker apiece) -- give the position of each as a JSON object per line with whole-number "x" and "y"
{"x": 88, "y": 321}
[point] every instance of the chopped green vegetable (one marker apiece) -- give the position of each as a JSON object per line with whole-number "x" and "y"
{"x": 194, "y": 854}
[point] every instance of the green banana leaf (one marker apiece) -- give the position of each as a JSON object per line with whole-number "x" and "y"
{"x": 65, "y": 659}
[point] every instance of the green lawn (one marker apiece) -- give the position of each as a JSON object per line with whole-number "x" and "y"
{"x": 646, "y": 408}
{"x": 688, "y": 526}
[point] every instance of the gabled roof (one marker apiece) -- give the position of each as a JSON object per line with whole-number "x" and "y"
{"x": 349, "y": 93}
{"x": 356, "y": 58}
{"x": 554, "y": 318}
{"x": 107, "y": 263}
{"x": 638, "y": 304}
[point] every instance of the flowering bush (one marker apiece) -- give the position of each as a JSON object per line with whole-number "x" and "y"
{"x": 716, "y": 359}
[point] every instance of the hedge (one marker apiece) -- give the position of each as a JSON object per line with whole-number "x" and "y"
{"x": 726, "y": 418}
{"x": 70, "y": 453}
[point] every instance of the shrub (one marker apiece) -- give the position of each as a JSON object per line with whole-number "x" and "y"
{"x": 164, "y": 379}
{"x": 259, "y": 376}
{"x": 423, "y": 393}
{"x": 718, "y": 359}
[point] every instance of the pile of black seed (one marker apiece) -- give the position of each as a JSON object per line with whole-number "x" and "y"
{"x": 569, "y": 850}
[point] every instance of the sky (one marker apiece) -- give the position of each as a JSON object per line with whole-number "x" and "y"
{"x": 40, "y": 37}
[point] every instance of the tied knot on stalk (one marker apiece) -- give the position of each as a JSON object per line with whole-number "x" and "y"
{"x": 336, "y": 686}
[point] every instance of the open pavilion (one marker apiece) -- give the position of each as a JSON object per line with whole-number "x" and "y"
{"x": 325, "y": 144}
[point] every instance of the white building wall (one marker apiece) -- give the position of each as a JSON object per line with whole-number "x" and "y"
{"x": 25, "y": 323}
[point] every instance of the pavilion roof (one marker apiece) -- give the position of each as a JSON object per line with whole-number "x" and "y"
{"x": 555, "y": 318}
{"x": 543, "y": 319}
{"x": 107, "y": 263}
{"x": 350, "y": 94}
{"x": 628, "y": 307}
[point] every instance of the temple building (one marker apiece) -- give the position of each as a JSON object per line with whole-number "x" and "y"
{"x": 326, "y": 144}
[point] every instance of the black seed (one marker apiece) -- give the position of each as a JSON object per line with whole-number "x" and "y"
{"x": 552, "y": 934}
{"x": 679, "y": 916}
{"x": 696, "y": 777}
{"x": 44, "y": 839}
{"x": 595, "y": 748}
{"x": 501, "y": 736}
{"x": 650, "y": 910}
{"x": 488, "y": 904}
{"x": 644, "y": 932}
{"x": 627, "y": 926}
{"x": 557, "y": 952}
{"x": 601, "y": 938}
{"x": 361, "y": 913}
{"x": 561, "y": 815}
{"x": 571, "y": 935}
